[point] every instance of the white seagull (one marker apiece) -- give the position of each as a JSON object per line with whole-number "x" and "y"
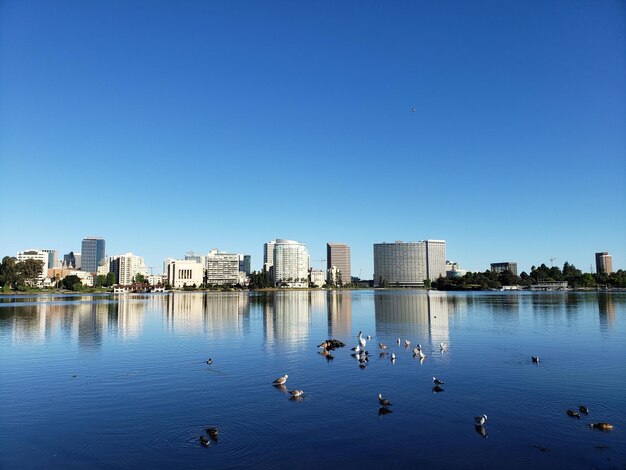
{"x": 281, "y": 380}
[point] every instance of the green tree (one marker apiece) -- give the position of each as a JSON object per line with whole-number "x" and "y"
{"x": 9, "y": 273}
{"x": 140, "y": 279}
{"x": 111, "y": 281}
{"x": 30, "y": 270}
{"x": 101, "y": 280}
{"x": 71, "y": 282}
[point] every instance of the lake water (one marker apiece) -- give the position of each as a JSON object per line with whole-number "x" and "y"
{"x": 103, "y": 381}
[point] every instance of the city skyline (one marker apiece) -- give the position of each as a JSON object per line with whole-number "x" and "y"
{"x": 480, "y": 123}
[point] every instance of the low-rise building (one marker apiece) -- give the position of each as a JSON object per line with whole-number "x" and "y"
{"x": 221, "y": 268}
{"x": 504, "y": 266}
{"x": 182, "y": 272}
{"x": 38, "y": 255}
{"x": 317, "y": 277}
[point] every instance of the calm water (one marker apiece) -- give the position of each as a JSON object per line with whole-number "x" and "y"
{"x": 122, "y": 381}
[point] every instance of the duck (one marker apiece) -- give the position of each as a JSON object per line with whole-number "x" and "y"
{"x": 603, "y": 426}
{"x": 535, "y": 359}
{"x": 480, "y": 420}
{"x": 382, "y": 346}
{"x": 383, "y": 401}
{"x": 437, "y": 381}
{"x": 296, "y": 393}
{"x": 583, "y": 409}
{"x": 281, "y": 380}
{"x": 573, "y": 413}
{"x": 205, "y": 441}
{"x": 212, "y": 432}
{"x": 209, "y": 361}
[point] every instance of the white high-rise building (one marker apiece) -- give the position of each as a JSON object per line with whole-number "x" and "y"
{"x": 38, "y": 255}
{"x": 221, "y": 268}
{"x": 291, "y": 264}
{"x": 126, "y": 267}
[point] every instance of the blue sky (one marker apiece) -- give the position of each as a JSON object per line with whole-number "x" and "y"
{"x": 173, "y": 126}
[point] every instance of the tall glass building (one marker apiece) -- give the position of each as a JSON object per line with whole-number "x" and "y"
{"x": 93, "y": 252}
{"x": 409, "y": 264}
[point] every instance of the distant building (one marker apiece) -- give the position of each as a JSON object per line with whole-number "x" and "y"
{"x": 221, "y": 268}
{"x": 38, "y": 255}
{"x": 317, "y": 277}
{"x": 291, "y": 264}
{"x": 126, "y": 267}
{"x": 504, "y": 266}
{"x": 93, "y": 252}
{"x": 453, "y": 270}
{"x": 57, "y": 274}
{"x": 338, "y": 255}
{"x": 104, "y": 268}
{"x": 409, "y": 264}
{"x": 72, "y": 260}
{"x": 181, "y": 273}
{"x": 156, "y": 279}
{"x": 53, "y": 258}
{"x": 244, "y": 264}
{"x": 268, "y": 255}
{"x": 604, "y": 263}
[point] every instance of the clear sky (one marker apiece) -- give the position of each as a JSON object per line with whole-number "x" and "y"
{"x": 168, "y": 126}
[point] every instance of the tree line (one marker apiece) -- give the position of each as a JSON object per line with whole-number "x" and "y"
{"x": 495, "y": 280}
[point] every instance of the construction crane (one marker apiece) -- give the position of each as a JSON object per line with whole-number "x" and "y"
{"x": 552, "y": 261}
{"x": 321, "y": 261}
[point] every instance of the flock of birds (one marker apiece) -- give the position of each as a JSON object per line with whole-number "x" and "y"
{"x": 362, "y": 355}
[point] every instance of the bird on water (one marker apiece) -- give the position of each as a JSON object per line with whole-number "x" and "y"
{"x": 212, "y": 432}
{"x": 480, "y": 420}
{"x": 209, "y": 361}
{"x": 205, "y": 441}
{"x": 281, "y": 380}
{"x": 296, "y": 393}
{"x": 603, "y": 426}
{"x": 382, "y": 346}
{"x": 583, "y": 409}
{"x": 573, "y": 413}
{"x": 535, "y": 359}
{"x": 383, "y": 401}
{"x": 437, "y": 381}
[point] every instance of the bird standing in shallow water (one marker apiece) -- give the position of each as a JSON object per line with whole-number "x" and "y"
{"x": 480, "y": 420}
{"x": 383, "y": 401}
{"x": 281, "y": 380}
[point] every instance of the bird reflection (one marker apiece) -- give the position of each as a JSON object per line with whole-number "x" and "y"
{"x": 382, "y": 355}
{"x": 383, "y": 410}
{"x": 438, "y": 389}
{"x": 481, "y": 430}
{"x": 280, "y": 388}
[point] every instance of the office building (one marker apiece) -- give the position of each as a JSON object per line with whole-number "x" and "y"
{"x": 504, "y": 266}
{"x": 53, "y": 258}
{"x": 604, "y": 263}
{"x": 338, "y": 255}
{"x": 317, "y": 277}
{"x": 268, "y": 255}
{"x": 244, "y": 264}
{"x": 408, "y": 264}
{"x": 72, "y": 260}
{"x": 126, "y": 267}
{"x": 290, "y": 264}
{"x": 38, "y": 255}
{"x": 93, "y": 252}
{"x": 221, "y": 268}
{"x": 182, "y": 272}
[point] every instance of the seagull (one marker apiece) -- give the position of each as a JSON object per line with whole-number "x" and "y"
{"x": 407, "y": 342}
{"x": 324, "y": 345}
{"x": 357, "y": 349}
{"x": 281, "y": 380}
{"x": 480, "y": 420}
{"x": 573, "y": 414}
{"x": 416, "y": 352}
{"x": 296, "y": 393}
{"x": 422, "y": 355}
{"x": 583, "y": 409}
{"x": 437, "y": 381}
{"x": 368, "y": 337}
{"x": 535, "y": 359}
{"x": 362, "y": 342}
{"x": 212, "y": 432}
{"x": 383, "y": 401}
{"x": 393, "y": 358}
{"x": 382, "y": 346}
{"x": 443, "y": 346}
{"x": 398, "y": 340}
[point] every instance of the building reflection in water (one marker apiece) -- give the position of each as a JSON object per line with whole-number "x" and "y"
{"x": 287, "y": 320}
{"x": 413, "y": 315}
{"x": 606, "y": 310}
{"x": 215, "y": 313}
{"x": 339, "y": 305}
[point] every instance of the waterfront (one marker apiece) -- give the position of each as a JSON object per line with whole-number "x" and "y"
{"x": 122, "y": 381}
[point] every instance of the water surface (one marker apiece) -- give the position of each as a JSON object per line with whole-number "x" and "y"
{"x": 95, "y": 381}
